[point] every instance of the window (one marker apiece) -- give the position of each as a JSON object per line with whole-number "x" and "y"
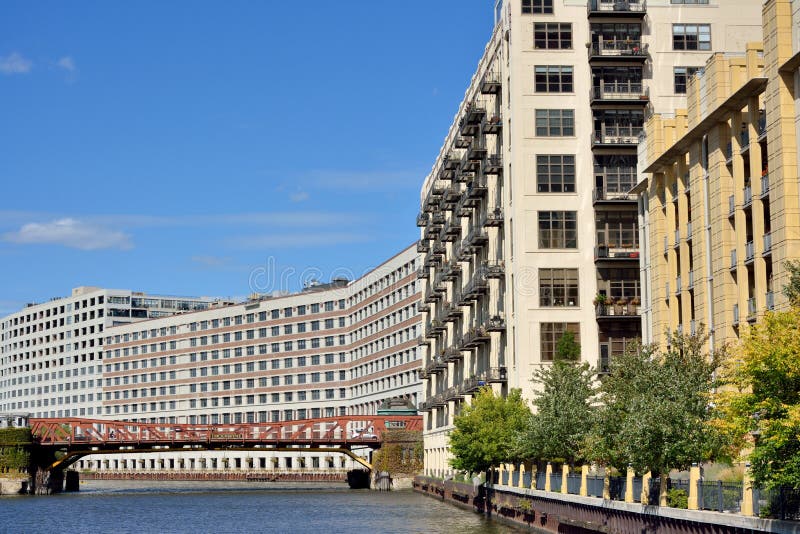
{"x": 558, "y": 287}
{"x": 691, "y": 37}
{"x": 558, "y": 229}
{"x": 555, "y": 122}
{"x": 552, "y": 35}
{"x": 553, "y": 78}
{"x": 555, "y": 174}
{"x": 682, "y": 75}
{"x": 550, "y": 333}
{"x": 537, "y": 7}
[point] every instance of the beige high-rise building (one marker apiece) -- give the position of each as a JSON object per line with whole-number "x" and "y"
{"x": 720, "y": 204}
{"x": 527, "y": 227}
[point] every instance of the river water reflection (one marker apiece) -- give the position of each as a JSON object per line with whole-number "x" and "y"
{"x": 120, "y": 507}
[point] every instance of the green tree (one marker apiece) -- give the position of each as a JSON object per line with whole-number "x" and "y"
{"x": 564, "y": 412}
{"x": 792, "y": 288}
{"x": 656, "y": 412}
{"x": 567, "y": 348}
{"x": 488, "y": 431}
{"x": 762, "y": 405}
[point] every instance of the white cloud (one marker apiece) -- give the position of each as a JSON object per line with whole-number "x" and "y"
{"x": 70, "y": 233}
{"x": 14, "y": 63}
{"x": 300, "y": 196}
{"x": 67, "y": 63}
{"x": 319, "y": 239}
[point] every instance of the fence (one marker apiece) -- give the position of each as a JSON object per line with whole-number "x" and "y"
{"x": 719, "y": 496}
{"x": 779, "y": 503}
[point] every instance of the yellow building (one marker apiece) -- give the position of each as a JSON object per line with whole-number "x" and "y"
{"x": 719, "y": 202}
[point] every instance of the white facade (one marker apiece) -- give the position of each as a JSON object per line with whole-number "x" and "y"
{"x": 51, "y": 353}
{"x": 526, "y": 221}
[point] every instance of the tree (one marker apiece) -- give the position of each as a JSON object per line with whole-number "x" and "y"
{"x": 656, "y": 412}
{"x": 564, "y": 412}
{"x": 567, "y": 348}
{"x": 792, "y": 288}
{"x": 488, "y": 431}
{"x": 762, "y": 407}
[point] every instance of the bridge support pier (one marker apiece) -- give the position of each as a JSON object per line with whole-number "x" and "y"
{"x": 72, "y": 482}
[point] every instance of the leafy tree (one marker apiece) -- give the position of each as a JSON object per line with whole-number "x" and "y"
{"x": 488, "y": 431}
{"x": 792, "y": 289}
{"x": 564, "y": 412}
{"x": 567, "y": 348}
{"x": 656, "y": 413}
{"x": 762, "y": 408}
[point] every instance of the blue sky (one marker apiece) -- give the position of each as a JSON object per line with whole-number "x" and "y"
{"x": 178, "y": 147}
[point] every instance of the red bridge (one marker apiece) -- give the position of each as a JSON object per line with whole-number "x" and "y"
{"x": 82, "y": 437}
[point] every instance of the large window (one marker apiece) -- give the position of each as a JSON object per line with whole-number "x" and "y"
{"x": 691, "y": 37}
{"x": 555, "y": 173}
{"x": 558, "y": 229}
{"x": 555, "y": 122}
{"x": 558, "y": 287}
{"x": 682, "y": 75}
{"x": 552, "y": 35}
{"x": 537, "y": 7}
{"x": 553, "y": 78}
{"x": 550, "y": 333}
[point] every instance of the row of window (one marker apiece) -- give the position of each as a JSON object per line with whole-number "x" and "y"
{"x": 558, "y": 35}
{"x": 545, "y": 7}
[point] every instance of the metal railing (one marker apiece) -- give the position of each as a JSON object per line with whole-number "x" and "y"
{"x": 621, "y": 47}
{"x": 770, "y": 298}
{"x": 764, "y": 185}
{"x": 748, "y": 196}
{"x": 620, "y": 91}
{"x": 767, "y": 242}
{"x": 731, "y": 206}
{"x": 617, "y": 6}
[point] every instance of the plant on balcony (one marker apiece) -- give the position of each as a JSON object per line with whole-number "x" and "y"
{"x": 619, "y": 305}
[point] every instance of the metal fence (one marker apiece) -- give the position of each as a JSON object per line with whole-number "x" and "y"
{"x": 574, "y": 483}
{"x": 719, "y": 496}
{"x": 515, "y": 478}
{"x": 555, "y": 482}
{"x": 540, "y": 478}
{"x": 780, "y": 503}
{"x": 527, "y": 478}
{"x": 594, "y": 485}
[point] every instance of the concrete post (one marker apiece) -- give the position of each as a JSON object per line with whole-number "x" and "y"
{"x": 521, "y": 481}
{"x": 629, "y": 484}
{"x": 548, "y": 473}
{"x": 533, "y": 476}
{"x": 500, "y": 471}
{"x": 747, "y": 492}
{"x": 645, "y": 497}
{"x": 584, "y": 481}
{"x": 607, "y": 485}
{"x": 694, "y": 478}
{"x": 511, "y": 468}
{"x": 564, "y": 475}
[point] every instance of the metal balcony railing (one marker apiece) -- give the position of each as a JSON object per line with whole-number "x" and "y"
{"x": 492, "y": 125}
{"x": 735, "y": 314}
{"x": 770, "y": 297}
{"x": 493, "y": 268}
{"x": 493, "y": 164}
{"x": 620, "y": 48}
{"x": 748, "y": 196}
{"x": 629, "y": 90}
{"x": 617, "y": 7}
{"x": 731, "y": 206}
{"x": 678, "y": 285}
{"x": 764, "y": 185}
{"x": 692, "y": 327}
{"x": 762, "y": 125}
{"x": 677, "y": 237}
{"x": 617, "y": 134}
{"x": 749, "y": 252}
{"x": 689, "y": 231}
{"x": 690, "y": 284}
{"x": 491, "y": 82}
{"x": 751, "y": 308}
{"x": 494, "y": 217}
{"x": 733, "y": 259}
{"x": 767, "y": 244}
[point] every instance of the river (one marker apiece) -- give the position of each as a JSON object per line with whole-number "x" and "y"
{"x": 120, "y": 507}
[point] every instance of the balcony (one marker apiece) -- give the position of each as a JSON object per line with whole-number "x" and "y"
{"x": 616, "y": 252}
{"x": 628, "y": 92}
{"x": 462, "y": 253}
{"x": 422, "y": 220}
{"x": 464, "y": 206}
{"x": 735, "y": 315}
{"x": 621, "y": 49}
{"x": 473, "y": 115}
{"x": 734, "y": 260}
{"x": 493, "y": 269}
{"x": 617, "y": 8}
{"x": 770, "y": 296}
{"x": 494, "y": 218}
{"x": 477, "y": 188}
{"x": 752, "y": 312}
{"x": 477, "y": 149}
{"x": 453, "y": 393}
{"x": 748, "y": 197}
{"x": 616, "y": 135}
{"x": 491, "y": 82}
{"x": 731, "y": 206}
{"x": 451, "y": 311}
{"x": 464, "y": 176}
{"x": 729, "y": 153}
{"x": 437, "y": 188}
{"x": 422, "y": 307}
{"x": 461, "y": 142}
{"x": 476, "y": 336}
{"x": 749, "y": 253}
{"x": 666, "y": 246}
{"x": 451, "y": 270}
{"x": 765, "y": 186}
{"x": 453, "y": 160}
{"x": 484, "y": 378}
{"x": 476, "y": 238}
{"x": 689, "y": 231}
{"x": 767, "y": 244}
{"x": 493, "y": 164}
{"x": 677, "y": 241}
{"x": 618, "y": 309}
{"x": 452, "y": 354}
{"x": 693, "y": 327}
{"x": 496, "y": 323}
{"x": 492, "y": 125}
{"x": 423, "y": 247}
{"x": 451, "y": 232}
{"x": 477, "y": 286}
{"x": 423, "y": 273}
{"x": 601, "y": 195}
{"x": 678, "y": 285}
{"x": 451, "y": 196}
{"x": 432, "y": 260}
{"x": 690, "y": 284}
{"x": 439, "y": 249}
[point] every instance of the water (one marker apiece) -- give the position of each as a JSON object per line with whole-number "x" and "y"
{"x": 120, "y": 507}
